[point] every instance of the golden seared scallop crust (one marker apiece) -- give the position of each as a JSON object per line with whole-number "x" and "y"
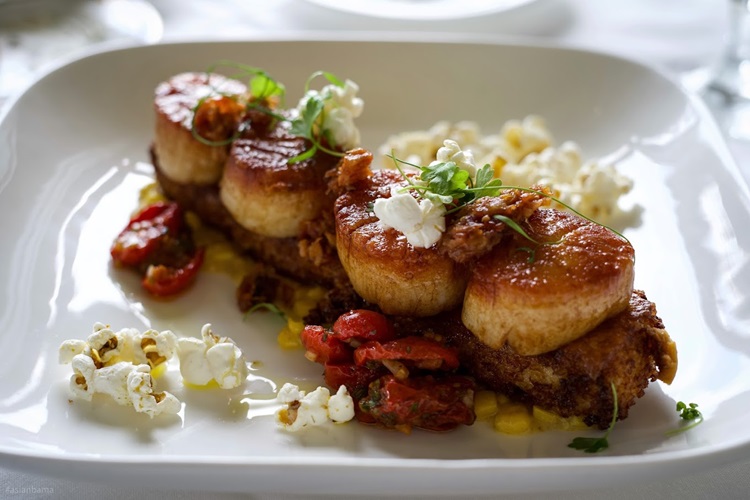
{"x": 183, "y": 157}
{"x": 383, "y": 267}
{"x": 538, "y": 302}
{"x": 268, "y": 195}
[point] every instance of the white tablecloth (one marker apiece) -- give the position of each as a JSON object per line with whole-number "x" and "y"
{"x": 685, "y": 37}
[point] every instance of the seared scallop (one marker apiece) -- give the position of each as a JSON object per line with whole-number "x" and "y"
{"x": 268, "y": 194}
{"x": 537, "y": 296}
{"x": 384, "y": 268}
{"x": 182, "y": 156}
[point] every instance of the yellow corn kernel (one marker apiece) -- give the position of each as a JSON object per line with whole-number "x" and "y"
{"x": 288, "y": 338}
{"x": 150, "y": 194}
{"x": 485, "y": 404}
{"x": 546, "y": 420}
{"x": 513, "y": 418}
{"x": 502, "y": 399}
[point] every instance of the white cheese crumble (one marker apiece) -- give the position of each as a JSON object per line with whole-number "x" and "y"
{"x": 108, "y": 363}
{"x": 304, "y": 410}
{"x": 211, "y": 358}
{"x": 342, "y": 106}
{"x": 523, "y": 154}
{"x": 422, "y": 222}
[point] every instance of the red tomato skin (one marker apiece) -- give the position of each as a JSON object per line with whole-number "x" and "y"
{"x": 364, "y": 325}
{"x": 163, "y": 281}
{"x": 140, "y": 238}
{"x": 427, "y": 402}
{"x": 356, "y": 378}
{"x": 324, "y": 346}
{"x": 413, "y": 349}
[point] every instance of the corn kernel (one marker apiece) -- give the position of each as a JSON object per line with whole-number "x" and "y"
{"x": 513, "y": 418}
{"x": 288, "y": 339}
{"x": 502, "y": 399}
{"x": 485, "y": 404}
{"x": 150, "y": 194}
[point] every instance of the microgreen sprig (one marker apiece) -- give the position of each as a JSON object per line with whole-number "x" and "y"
{"x": 309, "y": 124}
{"x": 690, "y": 413}
{"x": 595, "y": 445}
{"x": 265, "y": 306}
{"x": 262, "y": 87}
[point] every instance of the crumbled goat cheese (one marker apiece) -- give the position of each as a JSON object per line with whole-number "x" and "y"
{"x": 422, "y": 222}
{"x": 212, "y": 358}
{"x": 303, "y": 411}
{"x": 341, "y": 107}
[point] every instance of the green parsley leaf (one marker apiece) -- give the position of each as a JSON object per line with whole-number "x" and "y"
{"x": 595, "y": 445}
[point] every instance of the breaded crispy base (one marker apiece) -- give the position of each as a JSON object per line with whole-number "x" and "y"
{"x": 630, "y": 350}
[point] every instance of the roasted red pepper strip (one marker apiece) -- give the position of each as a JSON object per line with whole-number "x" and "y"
{"x": 364, "y": 325}
{"x": 427, "y": 402}
{"x": 417, "y": 351}
{"x": 323, "y": 347}
{"x": 163, "y": 281}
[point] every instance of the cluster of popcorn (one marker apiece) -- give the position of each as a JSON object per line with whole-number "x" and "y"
{"x": 522, "y": 154}
{"x": 121, "y": 364}
{"x": 303, "y": 410}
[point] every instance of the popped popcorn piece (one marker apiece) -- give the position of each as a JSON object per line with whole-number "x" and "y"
{"x": 70, "y": 348}
{"x": 422, "y": 222}
{"x": 341, "y": 107}
{"x": 309, "y": 411}
{"x": 212, "y": 358}
{"x": 451, "y": 151}
{"x": 144, "y": 399}
{"x": 341, "y": 406}
{"x": 153, "y": 348}
{"x": 315, "y": 408}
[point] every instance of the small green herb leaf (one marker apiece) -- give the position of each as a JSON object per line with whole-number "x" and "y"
{"x": 595, "y": 445}
{"x": 265, "y": 306}
{"x": 688, "y": 412}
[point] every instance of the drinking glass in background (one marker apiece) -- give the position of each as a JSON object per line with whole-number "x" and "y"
{"x": 37, "y": 33}
{"x": 729, "y": 92}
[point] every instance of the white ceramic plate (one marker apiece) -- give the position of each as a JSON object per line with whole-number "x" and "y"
{"x": 422, "y": 10}
{"x": 73, "y": 149}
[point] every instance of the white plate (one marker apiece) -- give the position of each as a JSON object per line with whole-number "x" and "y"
{"x": 421, "y": 10}
{"x": 71, "y": 153}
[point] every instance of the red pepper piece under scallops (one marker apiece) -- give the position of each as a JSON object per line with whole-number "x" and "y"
{"x": 417, "y": 352}
{"x": 428, "y": 402}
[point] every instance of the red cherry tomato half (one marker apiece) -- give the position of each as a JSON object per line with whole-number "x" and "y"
{"x": 163, "y": 281}
{"x": 364, "y": 326}
{"x": 141, "y": 236}
{"x": 418, "y": 351}
{"x": 323, "y": 347}
{"x": 427, "y": 402}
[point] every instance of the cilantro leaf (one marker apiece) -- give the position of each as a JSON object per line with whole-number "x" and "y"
{"x": 484, "y": 176}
